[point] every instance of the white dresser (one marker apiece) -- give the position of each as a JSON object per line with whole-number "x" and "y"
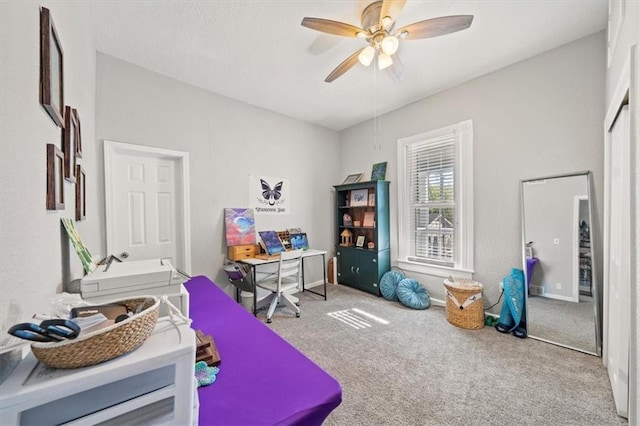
{"x": 153, "y": 384}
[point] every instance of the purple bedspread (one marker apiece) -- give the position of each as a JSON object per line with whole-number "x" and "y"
{"x": 263, "y": 380}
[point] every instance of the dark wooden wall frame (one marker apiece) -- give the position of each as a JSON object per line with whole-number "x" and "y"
{"x": 70, "y": 137}
{"x": 81, "y": 193}
{"x": 55, "y": 178}
{"x": 51, "y": 69}
{"x": 78, "y": 134}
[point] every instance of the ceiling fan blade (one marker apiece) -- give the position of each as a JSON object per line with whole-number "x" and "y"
{"x": 391, "y": 8}
{"x": 345, "y": 66}
{"x": 436, "y": 27}
{"x": 331, "y": 27}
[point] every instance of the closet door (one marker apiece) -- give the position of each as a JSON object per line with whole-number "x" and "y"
{"x": 618, "y": 278}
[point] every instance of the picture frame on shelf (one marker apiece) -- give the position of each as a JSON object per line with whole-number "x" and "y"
{"x": 81, "y": 193}
{"x": 55, "y": 178}
{"x": 51, "y": 69}
{"x": 354, "y": 178}
{"x": 70, "y": 135}
{"x": 359, "y": 197}
{"x": 369, "y": 220}
{"x": 360, "y": 241}
{"x": 378, "y": 171}
{"x": 346, "y": 220}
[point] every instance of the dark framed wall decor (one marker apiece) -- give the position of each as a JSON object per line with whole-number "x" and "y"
{"x": 81, "y": 193}
{"x": 70, "y": 136}
{"x": 51, "y": 69}
{"x": 55, "y": 178}
{"x": 78, "y": 134}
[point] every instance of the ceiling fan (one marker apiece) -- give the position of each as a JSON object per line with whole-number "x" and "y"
{"x": 378, "y": 21}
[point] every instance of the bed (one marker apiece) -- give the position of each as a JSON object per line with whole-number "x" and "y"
{"x": 263, "y": 380}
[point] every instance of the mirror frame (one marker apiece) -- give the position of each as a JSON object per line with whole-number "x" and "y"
{"x": 595, "y": 253}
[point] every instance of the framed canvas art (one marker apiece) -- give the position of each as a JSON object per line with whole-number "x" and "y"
{"x": 71, "y": 136}
{"x": 299, "y": 241}
{"x": 81, "y": 249}
{"x": 81, "y": 193}
{"x": 55, "y": 178}
{"x": 379, "y": 171}
{"x": 51, "y": 69}
{"x": 272, "y": 242}
{"x": 239, "y": 226}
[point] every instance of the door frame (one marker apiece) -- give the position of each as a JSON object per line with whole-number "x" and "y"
{"x": 181, "y": 159}
{"x": 624, "y": 93}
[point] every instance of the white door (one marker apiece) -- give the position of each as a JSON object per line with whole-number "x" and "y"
{"x": 619, "y": 273}
{"x": 147, "y": 203}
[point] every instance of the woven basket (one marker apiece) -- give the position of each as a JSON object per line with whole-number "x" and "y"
{"x": 464, "y": 303}
{"x": 106, "y": 343}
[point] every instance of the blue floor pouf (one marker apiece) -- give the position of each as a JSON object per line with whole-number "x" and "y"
{"x": 412, "y": 294}
{"x": 388, "y": 284}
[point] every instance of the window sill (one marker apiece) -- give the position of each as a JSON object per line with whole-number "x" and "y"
{"x": 434, "y": 270}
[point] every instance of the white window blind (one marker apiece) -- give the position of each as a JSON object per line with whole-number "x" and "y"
{"x": 435, "y": 201}
{"x": 432, "y": 202}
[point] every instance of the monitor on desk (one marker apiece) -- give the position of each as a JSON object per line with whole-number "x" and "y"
{"x": 272, "y": 243}
{"x": 299, "y": 241}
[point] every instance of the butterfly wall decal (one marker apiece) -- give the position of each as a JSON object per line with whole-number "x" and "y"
{"x": 269, "y": 194}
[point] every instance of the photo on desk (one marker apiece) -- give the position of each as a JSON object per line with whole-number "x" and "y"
{"x": 299, "y": 241}
{"x": 272, "y": 242}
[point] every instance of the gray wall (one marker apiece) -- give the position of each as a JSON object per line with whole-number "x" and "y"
{"x": 539, "y": 117}
{"x": 227, "y": 140}
{"x": 35, "y": 256}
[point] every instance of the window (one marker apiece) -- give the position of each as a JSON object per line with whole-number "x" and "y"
{"x": 435, "y": 221}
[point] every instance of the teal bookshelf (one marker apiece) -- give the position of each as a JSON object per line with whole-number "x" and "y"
{"x": 362, "y": 210}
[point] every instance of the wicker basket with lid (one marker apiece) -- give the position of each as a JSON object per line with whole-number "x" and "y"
{"x": 464, "y": 305}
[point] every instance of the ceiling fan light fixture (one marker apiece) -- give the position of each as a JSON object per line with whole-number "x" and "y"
{"x": 378, "y": 28}
{"x": 366, "y": 56}
{"x": 389, "y": 45}
{"x": 384, "y": 61}
{"x": 386, "y": 22}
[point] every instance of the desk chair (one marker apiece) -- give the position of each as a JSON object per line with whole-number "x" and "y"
{"x": 287, "y": 278}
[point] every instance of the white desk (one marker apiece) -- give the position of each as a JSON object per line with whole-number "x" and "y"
{"x": 255, "y": 262}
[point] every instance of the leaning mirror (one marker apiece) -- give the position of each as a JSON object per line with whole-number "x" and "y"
{"x": 563, "y": 297}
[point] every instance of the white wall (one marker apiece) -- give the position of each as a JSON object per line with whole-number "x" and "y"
{"x": 539, "y": 117}
{"x": 227, "y": 140}
{"x": 627, "y": 35}
{"x": 35, "y": 257}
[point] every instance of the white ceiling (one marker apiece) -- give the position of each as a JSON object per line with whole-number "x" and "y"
{"x": 256, "y": 51}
